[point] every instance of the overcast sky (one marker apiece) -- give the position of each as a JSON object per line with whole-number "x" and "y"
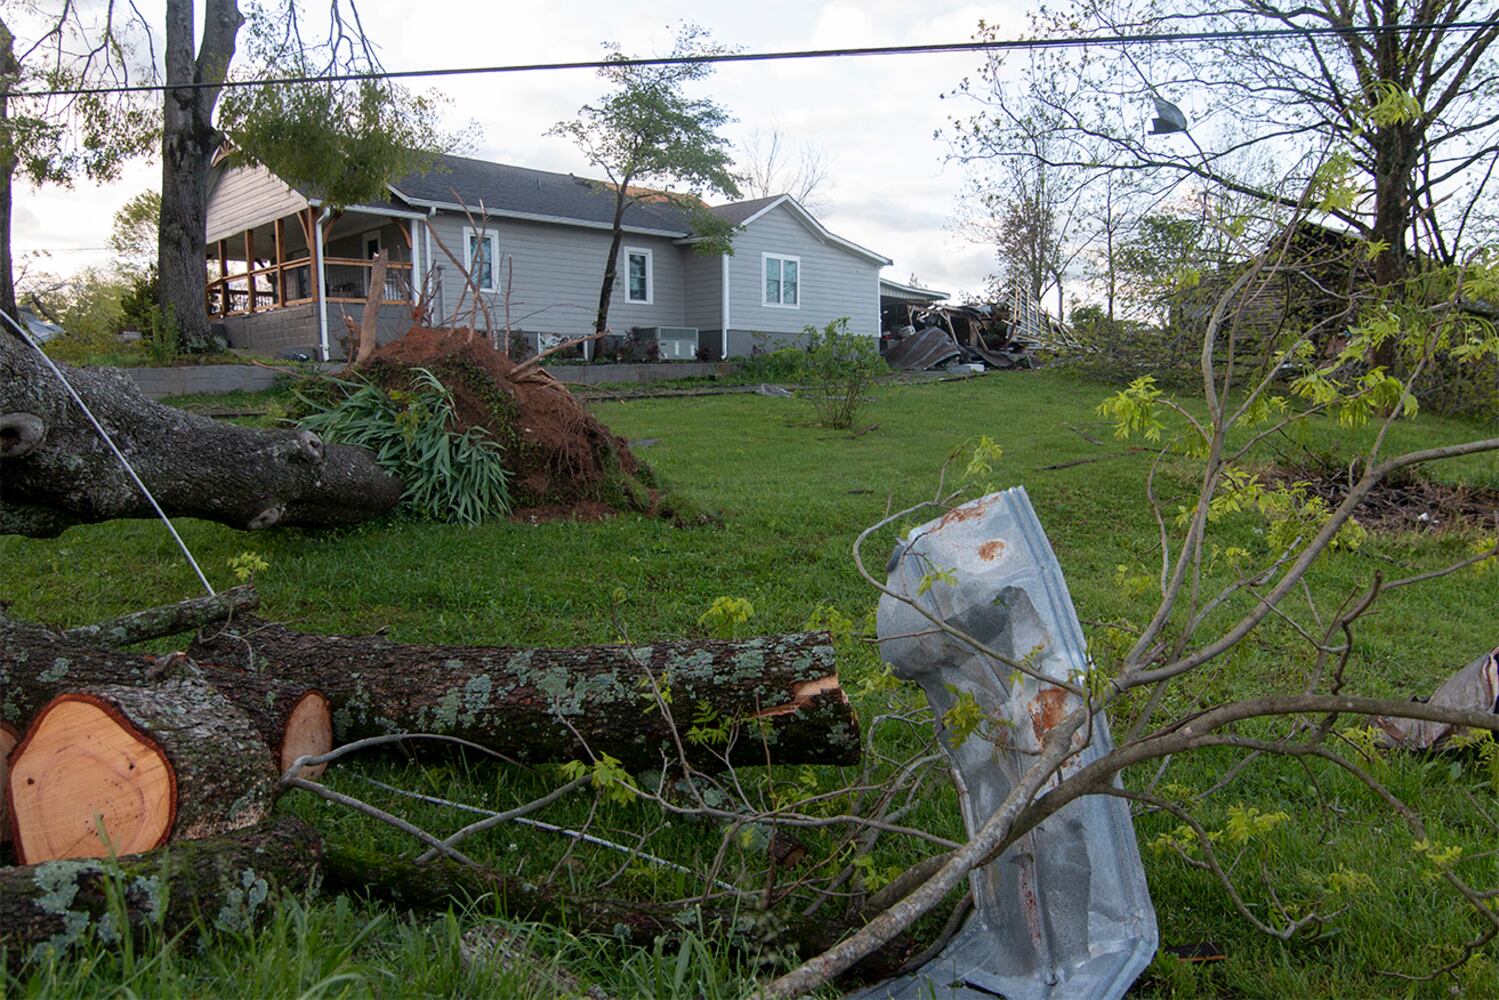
{"x": 874, "y": 118}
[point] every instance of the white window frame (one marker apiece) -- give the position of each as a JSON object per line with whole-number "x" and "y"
{"x": 650, "y": 275}
{"x": 493, "y": 239}
{"x": 765, "y": 259}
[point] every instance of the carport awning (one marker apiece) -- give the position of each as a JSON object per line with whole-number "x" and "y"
{"x": 895, "y": 292}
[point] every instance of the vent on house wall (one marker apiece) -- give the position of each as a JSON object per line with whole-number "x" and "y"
{"x": 675, "y": 343}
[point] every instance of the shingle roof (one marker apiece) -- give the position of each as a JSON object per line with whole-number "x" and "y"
{"x": 500, "y": 187}
{"x": 736, "y": 212}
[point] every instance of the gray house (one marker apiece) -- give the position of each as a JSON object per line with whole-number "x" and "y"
{"x": 284, "y": 269}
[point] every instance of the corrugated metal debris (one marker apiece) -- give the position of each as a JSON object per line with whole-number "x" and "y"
{"x": 1065, "y": 912}
{"x": 1005, "y": 334}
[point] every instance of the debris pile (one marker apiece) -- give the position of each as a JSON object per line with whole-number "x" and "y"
{"x": 564, "y": 462}
{"x": 1001, "y": 335}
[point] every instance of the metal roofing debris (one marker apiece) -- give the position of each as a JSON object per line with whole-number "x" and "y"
{"x": 924, "y": 349}
{"x": 1065, "y": 912}
{"x": 898, "y": 292}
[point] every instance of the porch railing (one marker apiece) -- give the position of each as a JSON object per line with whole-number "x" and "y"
{"x": 291, "y": 283}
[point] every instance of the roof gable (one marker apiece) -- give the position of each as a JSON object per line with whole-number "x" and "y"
{"x": 746, "y": 213}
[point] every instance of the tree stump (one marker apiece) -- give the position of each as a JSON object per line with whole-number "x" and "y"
{"x": 119, "y": 770}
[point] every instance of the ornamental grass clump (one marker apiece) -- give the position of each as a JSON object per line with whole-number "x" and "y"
{"x": 457, "y": 477}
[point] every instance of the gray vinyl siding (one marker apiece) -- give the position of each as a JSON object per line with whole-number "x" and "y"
{"x": 558, "y": 270}
{"x": 703, "y": 297}
{"x": 245, "y": 197}
{"x": 833, "y": 281}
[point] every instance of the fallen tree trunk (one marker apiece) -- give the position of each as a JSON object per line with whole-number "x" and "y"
{"x": 55, "y": 471}
{"x": 37, "y": 665}
{"x": 779, "y": 694}
{"x": 443, "y": 883}
{"x": 118, "y": 770}
{"x": 226, "y": 881}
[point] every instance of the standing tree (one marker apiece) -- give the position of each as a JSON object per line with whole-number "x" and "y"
{"x": 649, "y": 132}
{"x": 56, "y": 139}
{"x": 1394, "y": 107}
{"x": 767, "y": 169}
{"x": 344, "y": 140}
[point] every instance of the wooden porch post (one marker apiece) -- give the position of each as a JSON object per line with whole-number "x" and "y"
{"x": 278, "y": 290}
{"x": 250, "y": 265}
{"x": 223, "y": 278}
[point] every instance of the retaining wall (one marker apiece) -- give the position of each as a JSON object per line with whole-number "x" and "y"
{"x": 211, "y": 379}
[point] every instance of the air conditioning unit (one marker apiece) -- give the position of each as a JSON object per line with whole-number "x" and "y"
{"x": 674, "y": 343}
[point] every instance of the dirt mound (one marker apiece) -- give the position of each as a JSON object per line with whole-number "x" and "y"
{"x": 562, "y": 459}
{"x": 1406, "y": 501}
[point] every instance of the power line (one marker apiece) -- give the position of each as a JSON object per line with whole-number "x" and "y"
{"x": 1004, "y": 45}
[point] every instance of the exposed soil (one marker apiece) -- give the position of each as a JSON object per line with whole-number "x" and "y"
{"x": 563, "y": 460}
{"x": 1406, "y": 501}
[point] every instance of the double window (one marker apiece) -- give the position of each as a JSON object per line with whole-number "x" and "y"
{"x": 639, "y": 281}
{"x": 783, "y": 280}
{"x": 480, "y": 251}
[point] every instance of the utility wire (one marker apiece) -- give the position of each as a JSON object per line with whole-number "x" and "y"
{"x": 104, "y": 434}
{"x": 1003, "y": 45}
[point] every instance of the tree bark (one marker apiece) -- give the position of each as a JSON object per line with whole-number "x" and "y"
{"x": 611, "y": 263}
{"x": 444, "y": 883}
{"x": 562, "y": 704}
{"x": 10, "y": 72}
{"x": 170, "y": 619}
{"x": 111, "y": 768}
{"x": 226, "y": 882}
{"x": 9, "y": 737}
{"x": 55, "y": 471}
{"x": 37, "y": 665}
{"x": 188, "y": 143}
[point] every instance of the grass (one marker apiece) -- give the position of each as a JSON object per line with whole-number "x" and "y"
{"x": 793, "y": 497}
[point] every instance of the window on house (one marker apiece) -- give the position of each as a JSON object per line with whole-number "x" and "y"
{"x": 783, "y": 280}
{"x": 480, "y": 251}
{"x": 638, "y": 278}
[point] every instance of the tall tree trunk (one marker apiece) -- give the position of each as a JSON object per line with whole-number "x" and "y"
{"x": 611, "y": 265}
{"x": 188, "y": 143}
{"x": 10, "y": 72}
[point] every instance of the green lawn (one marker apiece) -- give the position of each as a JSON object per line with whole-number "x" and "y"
{"x": 793, "y": 497}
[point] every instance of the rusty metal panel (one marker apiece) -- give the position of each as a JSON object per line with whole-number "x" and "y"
{"x": 922, "y": 350}
{"x": 1065, "y": 912}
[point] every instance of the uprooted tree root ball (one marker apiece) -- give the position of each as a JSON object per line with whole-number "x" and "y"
{"x": 562, "y": 460}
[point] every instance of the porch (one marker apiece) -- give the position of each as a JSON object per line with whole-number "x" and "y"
{"x": 287, "y": 283}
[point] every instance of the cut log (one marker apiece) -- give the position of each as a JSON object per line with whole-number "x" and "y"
{"x": 171, "y": 619}
{"x": 9, "y": 737}
{"x": 37, "y": 665}
{"x": 779, "y": 694}
{"x": 225, "y": 882}
{"x": 119, "y": 770}
{"x": 55, "y": 471}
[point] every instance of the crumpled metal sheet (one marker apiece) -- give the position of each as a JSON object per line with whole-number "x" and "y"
{"x": 1065, "y": 912}
{"x": 923, "y": 350}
